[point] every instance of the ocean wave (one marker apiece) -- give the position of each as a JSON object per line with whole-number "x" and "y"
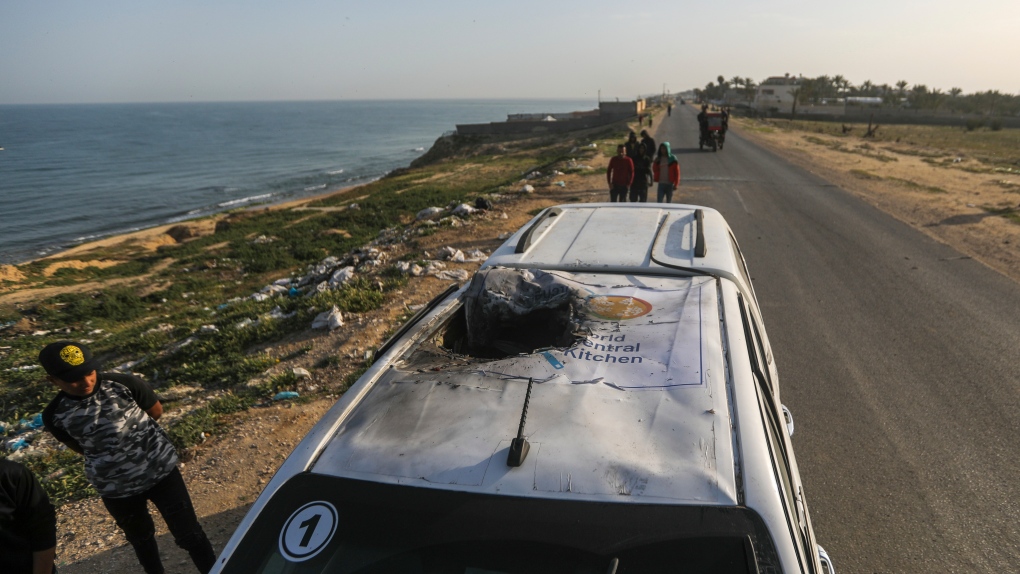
{"x": 419, "y": 149}
{"x": 315, "y": 187}
{"x": 335, "y": 172}
{"x": 244, "y": 200}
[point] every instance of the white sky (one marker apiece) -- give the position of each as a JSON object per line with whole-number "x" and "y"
{"x": 61, "y": 51}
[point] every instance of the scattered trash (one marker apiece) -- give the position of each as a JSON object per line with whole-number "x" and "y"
{"x": 409, "y": 268}
{"x": 23, "y": 368}
{"x": 451, "y": 254}
{"x": 293, "y": 292}
{"x": 503, "y": 236}
{"x": 284, "y": 395}
{"x": 560, "y": 183}
{"x": 244, "y": 323}
{"x": 483, "y": 203}
{"x": 259, "y": 296}
{"x": 35, "y": 423}
{"x": 208, "y": 329}
{"x": 354, "y": 207}
{"x": 262, "y": 239}
{"x": 285, "y": 282}
{"x": 15, "y": 444}
{"x": 331, "y": 319}
{"x": 453, "y": 275}
{"x": 40, "y": 333}
{"x": 428, "y": 213}
{"x": 301, "y": 373}
{"x": 126, "y": 367}
{"x": 463, "y": 210}
{"x": 527, "y": 189}
{"x": 342, "y": 276}
{"x": 277, "y": 313}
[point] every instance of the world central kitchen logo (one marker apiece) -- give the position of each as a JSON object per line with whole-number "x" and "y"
{"x": 612, "y": 348}
{"x": 618, "y": 307}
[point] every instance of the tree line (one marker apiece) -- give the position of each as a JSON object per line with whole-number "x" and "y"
{"x": 902, "y": 93}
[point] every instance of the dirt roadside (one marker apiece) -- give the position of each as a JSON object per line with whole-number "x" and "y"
{"x": 950, "y": 204}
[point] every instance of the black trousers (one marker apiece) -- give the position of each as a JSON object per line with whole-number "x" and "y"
{"x": 618, "y": 193}
{"x": 171, "y": 498}
{"x": 638, "y": 194}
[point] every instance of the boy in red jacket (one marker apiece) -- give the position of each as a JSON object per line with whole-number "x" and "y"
{"x": 666, "y": 171}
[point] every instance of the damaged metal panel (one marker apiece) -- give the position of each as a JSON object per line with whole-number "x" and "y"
{"x": 634, "y": 406}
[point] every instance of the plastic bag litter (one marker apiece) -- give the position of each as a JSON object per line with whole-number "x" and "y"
{"x": 428, "y": 213}
{"x": 284, "y": 395}
{"x": 451, "y": 254}
{"x": 15, "y": 444}
{"x": 560, "y": 183}
{"x": 341, "y": 276}
{"x": 453, "y": 275}
{"x": 301, "y": 373}
{"x": 528, "y": 189}
{"x": 463, "y": 209}
{"x": 35, "y": 422}
{"x": 331, "y": 319}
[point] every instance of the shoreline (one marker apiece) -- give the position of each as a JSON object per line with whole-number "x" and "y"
{"x": 140, "y": 236}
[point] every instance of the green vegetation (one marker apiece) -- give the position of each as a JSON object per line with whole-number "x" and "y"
{"x": 865, "y": 149}
{"x": 981, "y": 151}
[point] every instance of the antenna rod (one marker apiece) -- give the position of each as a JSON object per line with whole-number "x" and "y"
{"x": 519, "y": 447}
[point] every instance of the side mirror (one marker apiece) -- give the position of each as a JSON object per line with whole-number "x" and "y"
{"x": 788, "y": 416}
{"x": 823, "y": 557}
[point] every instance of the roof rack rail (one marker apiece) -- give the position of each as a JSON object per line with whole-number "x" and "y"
{"x": 700, "y": 249}
{"x": 525, "y": 241}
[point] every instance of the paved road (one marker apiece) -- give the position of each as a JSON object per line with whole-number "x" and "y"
{"x": 899, "y": 358}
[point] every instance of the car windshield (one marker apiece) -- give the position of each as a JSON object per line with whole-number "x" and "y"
{"x": 327, "y": 524}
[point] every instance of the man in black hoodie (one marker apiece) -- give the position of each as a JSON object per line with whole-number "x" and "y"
{"x": 28, "y": 523}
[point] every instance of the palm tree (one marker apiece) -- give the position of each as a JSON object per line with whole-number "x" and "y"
{"x": 954, "y": 92}
{"x": 866, "y": 88}
{"x": 902, "y": 86}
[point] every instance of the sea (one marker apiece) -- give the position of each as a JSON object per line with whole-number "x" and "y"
{"x": 76, "y": 173}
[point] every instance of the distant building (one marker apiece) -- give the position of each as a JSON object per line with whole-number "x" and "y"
{"x": 776, "y": 94}
{"x": 607, "y": 112}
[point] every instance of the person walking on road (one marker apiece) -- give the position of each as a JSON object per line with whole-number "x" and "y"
{"x": 111, "y": 419}
{"x": 632, "y": 145}
{"x": 619, "y": 175}
{"x": 642, "y": 176}
{"x": 648, "y": 143}
{"x": 666, "y": 171}
{"x": 28, "y": 523}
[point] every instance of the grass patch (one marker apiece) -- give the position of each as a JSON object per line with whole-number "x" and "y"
{"x": 992, "y": 148}
{"x": 62, "y": 475}
{"x": 862, "y": 174}
{"x": 1010, "y": 213}
{"x": 916, "y": 186}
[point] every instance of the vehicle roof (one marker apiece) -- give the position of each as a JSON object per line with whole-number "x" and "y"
{"x": 661, "y": 239}
{"x": 636, "y": 411}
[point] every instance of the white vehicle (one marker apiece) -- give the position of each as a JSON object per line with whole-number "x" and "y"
{"x": 599, "y": 398}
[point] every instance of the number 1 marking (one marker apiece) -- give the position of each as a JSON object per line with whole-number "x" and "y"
{"x": 310, "y": 525}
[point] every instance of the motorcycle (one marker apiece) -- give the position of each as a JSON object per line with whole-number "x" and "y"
{"x": 713, "y": 135}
